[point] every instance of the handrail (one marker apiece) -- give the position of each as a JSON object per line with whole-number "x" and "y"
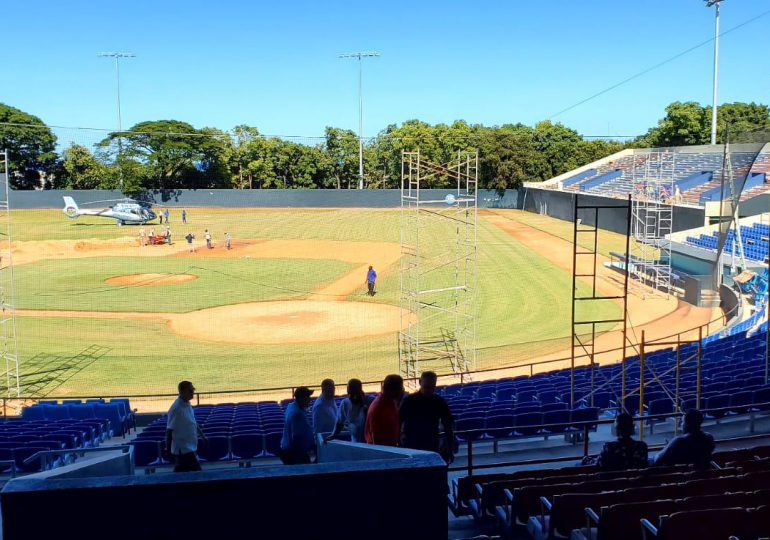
{"x": 530, "y": 365}
{"x": 9, "y": 463}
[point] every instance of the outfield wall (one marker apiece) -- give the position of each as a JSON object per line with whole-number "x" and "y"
{"x": 561, "y": 205}
{"x": 247, "y": 198}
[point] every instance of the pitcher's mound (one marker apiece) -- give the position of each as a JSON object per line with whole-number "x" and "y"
{"x": 138, "y": 280}
{"x": 298, "y": 321}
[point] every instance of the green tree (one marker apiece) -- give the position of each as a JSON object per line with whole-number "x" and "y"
{"x": 81, "y": 170}
{"x": 173, "y": 154}
{"x": 31, "y": 147}
{"x": 341, "y": 149}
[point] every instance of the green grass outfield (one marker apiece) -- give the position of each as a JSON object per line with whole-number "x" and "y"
{"x": 523, "y": 302}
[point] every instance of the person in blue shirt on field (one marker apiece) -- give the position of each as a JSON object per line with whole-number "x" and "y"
{"x": 371, "y": 278}
{"x": 297, "y": 440}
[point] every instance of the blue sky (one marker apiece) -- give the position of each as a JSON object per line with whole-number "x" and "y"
{"x": 274, "y": 65}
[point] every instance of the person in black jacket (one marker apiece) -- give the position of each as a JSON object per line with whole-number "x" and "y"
{"x": 625, "y": 453}
{"x": 694, "y": 447}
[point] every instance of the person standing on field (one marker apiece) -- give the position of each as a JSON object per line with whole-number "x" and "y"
{"x": 207, "y": 236}
{"x": 190, "y": 237}
{"x": 227, "y": 241}
{"x": 371, "y": 278}
{"x": 184, "y": 215}
{"x": 142, "y": 237}
{"x": 165, "y": 215}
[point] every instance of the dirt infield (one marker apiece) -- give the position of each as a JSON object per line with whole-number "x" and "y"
{"x": 302, "y": 321}
{"x": 141, "y": 280}
{"x": 323, "y": 316}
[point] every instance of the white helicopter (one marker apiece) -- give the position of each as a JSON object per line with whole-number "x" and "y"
{"x": 124, "y": 212}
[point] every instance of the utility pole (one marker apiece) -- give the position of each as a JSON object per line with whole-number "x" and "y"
{"x": 360, "y": 56}
{"x": 117, "y": 56}
{"x": 710, "y": 3}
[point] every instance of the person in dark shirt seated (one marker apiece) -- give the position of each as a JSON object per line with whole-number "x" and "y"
{"x": 625, "y": 453}
{"x": 420, "y": 415}
{"x": 693, "y": 448}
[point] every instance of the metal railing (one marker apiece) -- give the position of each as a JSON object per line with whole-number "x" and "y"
{"x": 528, "y": 368}
{"x": 585, "y": 427}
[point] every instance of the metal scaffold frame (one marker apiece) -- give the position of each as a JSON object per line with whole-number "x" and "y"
{"x": 652, "y": 223}
{"x": 8, "y": 342}
{"x": 438, "y": 265}
{"x": 585, "y": 245}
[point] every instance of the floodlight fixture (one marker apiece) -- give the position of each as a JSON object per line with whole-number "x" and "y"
{"x": 117, "y": 56}
{"x": 359, "y": 56}
{"x": 714, "y": 104}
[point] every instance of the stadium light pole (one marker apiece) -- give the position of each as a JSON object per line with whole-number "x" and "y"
{"x": 710, "y": 3}
{"x": 117, "y": 56}
{"x": 360, "y": 56}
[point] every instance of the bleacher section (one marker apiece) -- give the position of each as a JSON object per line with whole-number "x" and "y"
{"x": 578, "y": 177}
{"x": 697, "y": 171}
{"x": 68, "y": 426}
{"x": 584, "y": 502}
{"x": 756, "y": 241}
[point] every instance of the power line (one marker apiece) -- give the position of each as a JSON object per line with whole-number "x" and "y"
{"x": 656, "y": 66}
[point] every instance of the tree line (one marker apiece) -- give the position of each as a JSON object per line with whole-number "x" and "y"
{"x": 172, "y": 154}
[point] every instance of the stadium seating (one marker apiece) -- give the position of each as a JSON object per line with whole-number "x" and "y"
{"x": 584, "y": 502}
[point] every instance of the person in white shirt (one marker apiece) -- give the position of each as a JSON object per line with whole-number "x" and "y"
{"x": 182, "y": 430}
{"x": 325, "y": 411}
{"x": 352, "y": 417}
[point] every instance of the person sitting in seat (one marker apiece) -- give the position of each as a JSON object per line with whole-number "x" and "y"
{"x": 625, "y": 453}
{"x": 694, "y": 447}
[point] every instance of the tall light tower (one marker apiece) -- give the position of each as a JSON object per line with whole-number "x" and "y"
{"x": 710, "y": 3}
{"x": 117, "y": 56}
{"x": 360, "y": 56}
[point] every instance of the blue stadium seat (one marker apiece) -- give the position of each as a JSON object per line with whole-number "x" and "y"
{"x": 247, "y": 445}
{"x": 272, "y": 443}
{"x": 527, "y": 423}
{"x": 146, "y": 452}
{"x": 214, "y": 448}
{"x": 560, "y": 419}
{"x": 499, "y": 427}
{"x": 475, "y": 424}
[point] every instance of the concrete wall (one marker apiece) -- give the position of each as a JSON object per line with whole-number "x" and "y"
{"x": 379, "y": 499}
{"x": 560, "y": 204}
{"x": 106, "y": 463}
{"x": 256, "y": 198}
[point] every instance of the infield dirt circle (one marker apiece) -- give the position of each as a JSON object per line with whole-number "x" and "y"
{"x": 139, "y": 280}
{"x": 301, "y": 321}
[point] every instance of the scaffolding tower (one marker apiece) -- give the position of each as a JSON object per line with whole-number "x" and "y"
{"x": 8, "y": 343}
{"x": 438, "y": 265}
{"x": 652, "y": 220}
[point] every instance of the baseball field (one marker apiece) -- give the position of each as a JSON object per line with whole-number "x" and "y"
{"x": 100, "y": 314}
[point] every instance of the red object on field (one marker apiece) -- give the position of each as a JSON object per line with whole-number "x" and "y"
{"x": 157, "y": 240}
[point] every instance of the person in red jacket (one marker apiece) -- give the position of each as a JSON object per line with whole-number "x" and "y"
{"x": 382, "y": 422}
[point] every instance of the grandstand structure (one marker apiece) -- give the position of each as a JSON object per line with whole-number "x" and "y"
{"x": 8, "y": 341}
{"x": 697, "y": 173}
{"x": 438, "y": 265}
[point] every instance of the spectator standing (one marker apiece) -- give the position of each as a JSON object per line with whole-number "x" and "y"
{"x": 420, "y": 415}
{"x": 227, "y": 241}
{"x": 184, "y": 215}
{"x": 371, "y": 278}
{"x": 325, "y": 412}
{"x": 160, "y": 217}
{"x": 382, "y": 425}
{"x": 625, "y": 453}
{"x": 168, "y": 233}
{"x": 353, "y": 409}
{"x": 297, "y": 439}
{"x": 694, "y": 447}
{"x": 207, "y": 236}
{"x": 190, "y": 237}
{"x": 165, "y": 215}
{"x": 182, "y": 430}
{"x": 142, "y": 237}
